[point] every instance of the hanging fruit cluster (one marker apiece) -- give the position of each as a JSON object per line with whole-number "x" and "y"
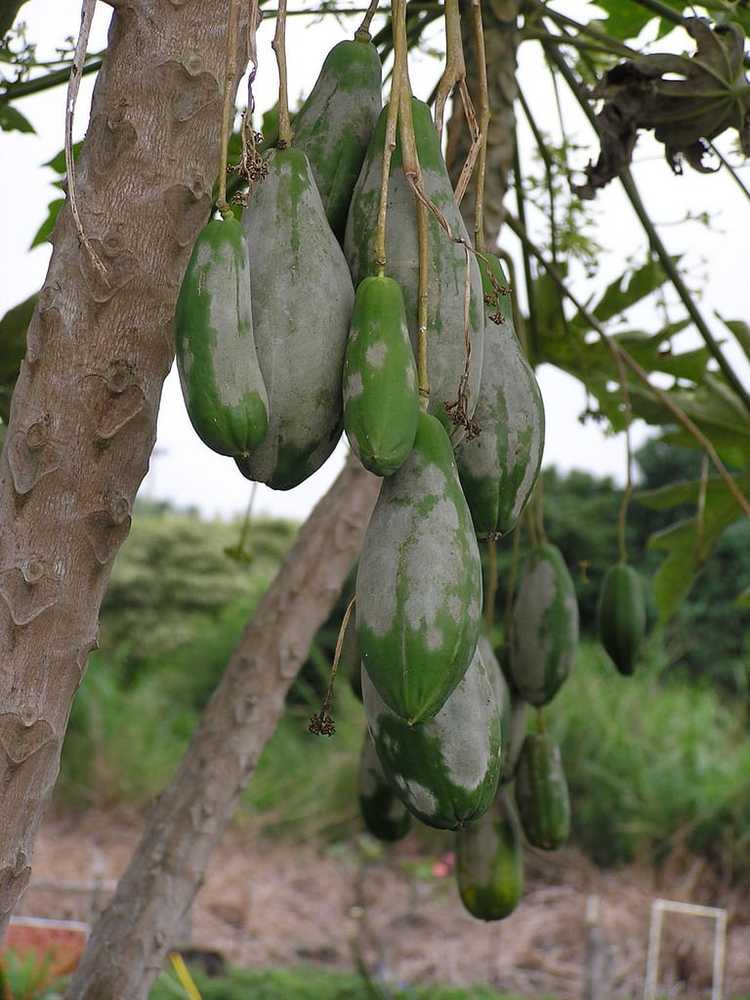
{"x": 422, "y": 369}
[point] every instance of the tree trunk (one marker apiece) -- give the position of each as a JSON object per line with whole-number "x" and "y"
{"x": 501, "y": 40}
{"x": 83, "y": 416}
{"x": 133, "y": 935}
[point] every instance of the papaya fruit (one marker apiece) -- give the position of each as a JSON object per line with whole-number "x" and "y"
{"x": 489, "y": 862}
{"x": 502, "y": 693}
{"x": 381, "y": 402}
{"x": 445, "y": 770}
{"x": 622, "y": 616}
{"x": 544, "y": 626}
{"x": 335, "y": 124}
{"x": 446, "y": 348}
{"x": 498, "y": 467}
{"x": 542, "y": 793}
{"x": 384, "y": 814}
{"x": 350, "y": 662}
{"x": 419, "y": 586}
{"x": 221, "y": 380}
{"x": 516, "y": 735}
{"x": 302, "y": 302}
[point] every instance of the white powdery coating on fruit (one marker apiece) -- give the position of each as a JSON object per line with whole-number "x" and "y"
{"x": 402, "y": 540}
{"x": 375, "y": 355}
{"x": 464, "y": 727}
{"x": 411, "y": 376}
{"x": 528, "y": 651}
{"x": 353, "y": 386}
{"x": 420, "y": 798}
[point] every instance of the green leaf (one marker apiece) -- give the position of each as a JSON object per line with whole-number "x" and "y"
{"x": 44, "y": 232}
{"x": 740, "y": 329}
{"x": 11, "y": 120}
{"x": 688, "y": 545}
{"x": 624, "y": 20}
{"x": 13, "y": 327}
{"x": 622, "y": 294}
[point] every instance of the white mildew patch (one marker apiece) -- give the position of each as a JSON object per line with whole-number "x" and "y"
{"x": 421, "y": 798}
{"x": 204, "y": 256}
{"x": 528, "y": 648}
{"x": 411, "y": 376}
{"x": 376, "y": 577}
{"x": 465, "y": 726}
{"x": 376, "y": 354}
{"x": 434, "y": 638}
{"x": 455, "y": 607}
{"x": 233, "y": 356}
{"x": 353, "y": 387}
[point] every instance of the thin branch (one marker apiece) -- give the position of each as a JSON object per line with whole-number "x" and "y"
{"x": 455, "y": 65}
{"x": 677, "y": 412}
{"x": 228, "y": 106}
{"x": 484, "y": 122}
{"x": 79, "y": 57}
{"x": 389, "y": 146}
{"x": 521, "y": 206}
{"x": 732, "y": 171}
{"x": 24, "y": 88}
{"x": 665, "y": 260}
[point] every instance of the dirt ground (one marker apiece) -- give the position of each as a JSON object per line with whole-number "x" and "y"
{"x": 270, "y": 902}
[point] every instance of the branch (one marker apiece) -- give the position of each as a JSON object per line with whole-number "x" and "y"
{"x": 135, "y": 932}
{"x": 24, "y": 88}
{"x": 657, "y": 245}
{"x": 680, "y": 416}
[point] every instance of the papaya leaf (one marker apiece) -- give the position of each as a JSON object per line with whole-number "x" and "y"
{"x": 44, "y": 232}
{"x": 687, "y": 101}
{"x": 626, "y": 291}
{"x": 624, "y": 20}
{"x": 687, "y": 491}
{"x": 11, "y": 120}
{"x": 13, "y": 327}
{"x": 740, "y": 329}
{"x": 687, "y": 545}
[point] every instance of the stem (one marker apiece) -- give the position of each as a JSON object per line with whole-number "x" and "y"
{"x": 24, "y": 88}
{"x": 413, "y": 172}
{"x": 665, "y": 260}
{"x": 701, "y": 512}
{"x": 490, "y": 584}
{"x": 521, "y": 205}
{"x": 455, "y": 66}
{"x": 623, "y": 515}
{"x": 388, "y": 148}
{"x": 519, "y": 323}
{"x": 322, "y": 724}
{"x": 228, "y": 106}
{"x": 677, "y": 412}
{"x": 279, "y": 47}
{"x": 548, "y": 170}
{"x": 362, "y": 34}
{"x": 609, "y": 45}
{"x": 735, "y": 176}
{"x": 484, "y": 123}
{"x": 79, "y": 57}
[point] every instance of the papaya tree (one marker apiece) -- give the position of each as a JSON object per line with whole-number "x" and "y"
{"x": 83, "y": 363}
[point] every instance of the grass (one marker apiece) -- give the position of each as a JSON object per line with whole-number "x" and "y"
{"x": 312, "y": 984}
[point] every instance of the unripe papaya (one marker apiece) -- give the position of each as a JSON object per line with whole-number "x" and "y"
{"x": 221, "y": 380}
{"x": 517, "y": 734}
{"x": 381, "y": 403}
{"x": 544, "y": 627}
{"x": 335, "y": 124}
{"x": 350, "y": 662}
{"x": 498, "y": 467}
{"x": 502, "y": 693}
{"x": 622, "y": 616}
{"x": 384, "y": 814}
{"x": 446, "y": 348}
{"x": 419, "y": 586}
{"x": 542, "y": 793}
{"x": 302, "y": 302}
{"x": 445, "y": 770}
{"x": 489, "y": 862}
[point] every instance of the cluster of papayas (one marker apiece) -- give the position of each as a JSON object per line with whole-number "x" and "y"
{"x": 290, "y": 331}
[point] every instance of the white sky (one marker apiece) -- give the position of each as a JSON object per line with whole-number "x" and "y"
{"x": 186, "y": 472}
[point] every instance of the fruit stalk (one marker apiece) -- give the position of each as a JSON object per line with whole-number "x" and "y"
{"x": 279, "y": 47}
{"x": 362, "y": 34}
{"x": 388, "y": 148}
{"x": 484, "y": 123}
{"x": 455, "y": 65}
{"x": 227, "y": 108}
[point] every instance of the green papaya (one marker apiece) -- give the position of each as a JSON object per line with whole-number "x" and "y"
{"x": 302, "y": 302}
{"x": 502, "y": 693}
{"x": 622, "y": 616}
{"x": 542, "y": 793}
{"x": 335, "y": 124}
{"x": 516, "y": 735}
{"x": 419, "y": 583}
{"x": 381, "y": 403}
{"x": 221, "y": 380}
{"x": 446, "y": 346}
{"x": 489, "y": 863}
{"x": 445, "y": 770}
{"x": 498, "y": 467}
{"x": 384, "y": 814}
{"x": 544, "y": 626}
{"x": 350, "y": 662}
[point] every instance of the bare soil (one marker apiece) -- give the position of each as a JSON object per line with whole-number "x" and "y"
{"x": 270, "y": 902}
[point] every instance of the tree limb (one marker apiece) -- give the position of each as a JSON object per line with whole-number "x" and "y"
{"x": 134, "y": 933}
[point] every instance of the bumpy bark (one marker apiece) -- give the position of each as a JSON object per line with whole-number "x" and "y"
{"x": 132, "y": 936}
{"x": 501, "y": 40}
{"x": 83, "y": 417}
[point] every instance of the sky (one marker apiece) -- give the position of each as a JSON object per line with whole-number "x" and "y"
{"x": 182, "y": 469}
